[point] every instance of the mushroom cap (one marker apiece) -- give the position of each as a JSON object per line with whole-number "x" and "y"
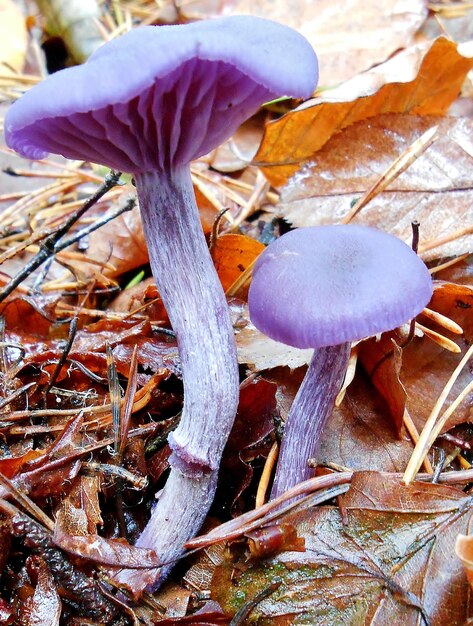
{"x": 326, "y": 285}
{"x": 161, "y": 96}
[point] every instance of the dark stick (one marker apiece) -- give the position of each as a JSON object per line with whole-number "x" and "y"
{"x": 95, "y": 226}
{"x": 49, "y": 246}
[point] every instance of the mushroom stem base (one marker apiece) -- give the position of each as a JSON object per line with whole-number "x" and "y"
{"x": 310, "y": 410}
{"x": 198, "y": 311}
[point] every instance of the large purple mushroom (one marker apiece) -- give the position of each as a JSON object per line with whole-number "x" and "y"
{"x": 148, "y": 103}
{"x": 322, "y": 288}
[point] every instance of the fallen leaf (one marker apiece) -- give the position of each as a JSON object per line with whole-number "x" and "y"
{"x": 436, "y": 189}
{"x": 248, "y": 439}
{"x": 44, "y": 607}
{"x": 111, "y": 552}
{"x": 232, "y": 255}
{"x": 386, "y": 564}
{"x": 422, "y": 80}
{"x": 359, "y": 434}
{"x": 120, "y": 242}
{"x": 237, "y": 153}
{"x": 346, "y": 41}
{"x": 382, "y": 361}
{"x": 427, "y": 367}
{"x": 258, "y": 351}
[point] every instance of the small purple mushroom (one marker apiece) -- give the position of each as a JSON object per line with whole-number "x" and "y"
{"x": 322, "y": 288}
{"x": 148, "y": 103}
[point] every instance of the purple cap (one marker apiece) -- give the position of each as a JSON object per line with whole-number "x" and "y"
{"x": 162, "y": 95}
{"x": 326, "y": 285}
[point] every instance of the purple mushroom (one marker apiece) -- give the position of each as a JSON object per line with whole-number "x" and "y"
{"x": 148, "y": 103}
{"x": 322, "y": 288}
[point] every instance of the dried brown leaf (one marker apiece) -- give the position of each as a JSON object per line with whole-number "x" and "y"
{"x": 44, "y": 607}
{"x": 359, "y": 434}
{"x": 258, "y": 351}
{"x": 422, "y": 80}
{"x": 120, "y": 242}
{"x": 346, "y": 41}
{"x": 436, "y": 190}
{"x": 386, "y": 564}
{"x": 427, "y": 367}
{"x": 112, "y": 552}
{"x": 382, "y": 362}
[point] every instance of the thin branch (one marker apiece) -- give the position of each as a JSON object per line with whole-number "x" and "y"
{"x": 52, "y": 244}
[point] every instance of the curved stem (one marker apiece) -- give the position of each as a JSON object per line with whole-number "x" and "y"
{"x": 309, "y": 412}
{"x": 198, "y": 311}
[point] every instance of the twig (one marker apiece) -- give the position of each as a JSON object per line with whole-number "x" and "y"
{"x": 51, "y": 245}
{"x": 266, "y": 475}
{"x": 95, "y": 226}
{"x": 397, "y": 167}
{"x": 431, "y": 428}
{"x": 240, "y": 617}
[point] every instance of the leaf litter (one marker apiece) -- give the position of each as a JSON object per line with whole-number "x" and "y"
{"x": 375, "y": 549}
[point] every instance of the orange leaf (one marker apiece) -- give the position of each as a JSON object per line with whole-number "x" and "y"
{"x": 424, "y": 80}
{"x": 232, "y": 254}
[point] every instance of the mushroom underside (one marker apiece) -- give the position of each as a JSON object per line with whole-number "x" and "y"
{"x": 178, "y": 118}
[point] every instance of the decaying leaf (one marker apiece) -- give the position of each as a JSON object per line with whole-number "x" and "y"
{"x": 232, "y": 255}
{"x": 260, "y": 352}
{"x": 436, "y": 189}
{"x": 248, "y": 439}
{"x": 427, "y": 367}
{"x": 110, "y": 552}
{"x": 386, "y": 565}
{"x": 120, "y": 242}
{"x": 382, "y": 362}
{"x": 43, "y": 608}
{"x": 347, "y": 41}
{"x": 422, "y": 80}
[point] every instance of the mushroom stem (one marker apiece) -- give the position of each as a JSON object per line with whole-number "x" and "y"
{"x": 309, "y": 412}
{"x": 198, "y": 311}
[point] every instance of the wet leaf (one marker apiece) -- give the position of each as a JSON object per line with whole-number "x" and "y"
{"x": 143, "y": 296}
{"x": 210, "y": 615}
{"x": 120, "y": 242}
{"x": 257, "y": 350}
{"x": 359, "y": 434}
{"x": 112, "y": 552}
{"x": 248, "y": 439}
{"x": 422, "y": 80}
{"x": 154, "y": 352}
{"x": 347, "y": 41}
{"x": 427, "y": 367}
{"x": 232, "y": 254}
{"x": 436, "y": 189}
{"x": 382, "y": 362}
{"x": 44, "y": 607}
{"x": 387, "y": 565}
